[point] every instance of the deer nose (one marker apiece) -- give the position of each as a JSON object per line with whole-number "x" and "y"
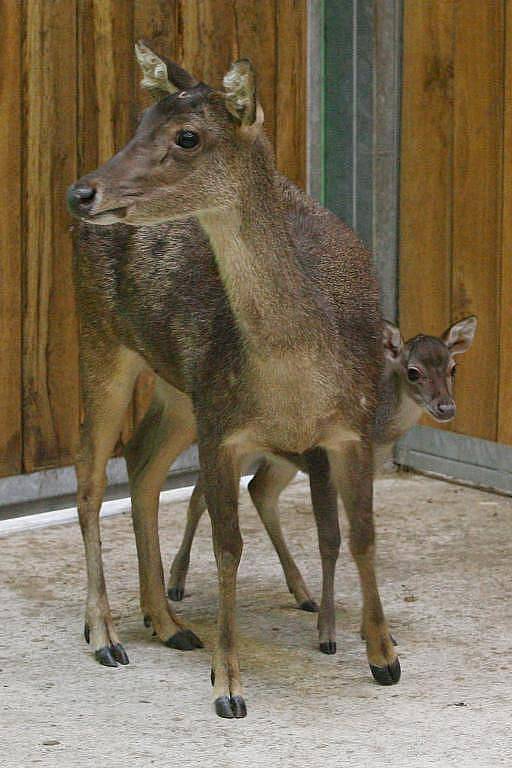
{"x": 446, "y": 410}
{"x": 80, "y": 197}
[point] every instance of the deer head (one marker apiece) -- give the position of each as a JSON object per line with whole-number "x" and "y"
{"x": 191, "y": 151}
{"x": 427, "y": 366}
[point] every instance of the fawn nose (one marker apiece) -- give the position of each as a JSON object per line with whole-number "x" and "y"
{"x": 446, "y": 409}
{"x": 80, "y": 197}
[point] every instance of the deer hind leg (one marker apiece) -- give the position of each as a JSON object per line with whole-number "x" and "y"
{"x": 181, "y": 562}
{"x": 220, "y": 474}
{"x": 352, "y": 470}
{"x": 165, "y": 431}
{"x": 106, "y": 390}
{"x": 265, "y": 488}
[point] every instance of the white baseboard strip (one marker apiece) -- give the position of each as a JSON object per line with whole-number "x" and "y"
{"x": 108, "y": 509}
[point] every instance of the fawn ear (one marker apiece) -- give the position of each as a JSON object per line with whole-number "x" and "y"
{"x": 393, "y": 342}
{"x": 459, "y": 336}
{"x": 160, "y": 75}
{"x": 240, "y": 93}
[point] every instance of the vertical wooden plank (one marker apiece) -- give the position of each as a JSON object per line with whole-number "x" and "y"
{"x": 50, "y": 360}
{"x": 478, "y": 137}
{"x": 10, "y": 235}
{"x": 505, "y": 284}
{"x": 291, "y": 83}
{"x": 206, "y": 38}
{"x": 256, "y": 38}
{"x": 425, "y": 171}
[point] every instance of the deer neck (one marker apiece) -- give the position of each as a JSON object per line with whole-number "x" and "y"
{"x": 258, "y": 265}
{"x": 397, "y": 412}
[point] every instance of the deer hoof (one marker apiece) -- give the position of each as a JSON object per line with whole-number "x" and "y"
{"x": 87, "y": 633}
{"x": 329, "y": 647}
{"x": 230, "y": 707}
{"x": 184, "y": 640}
{"x": 105, "y": 656}
{"x": 238, "y": 707}
{"x": 388, "y": 675}
{"x": 176, "y": 594}
{"x": 119, "y": 654}
{"x": 309, "y": 605}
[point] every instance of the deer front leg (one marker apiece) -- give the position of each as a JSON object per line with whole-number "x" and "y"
{"x": 165, "y": 431}
{"x": 220, "y": 476}
{"x": 106, "y": 391}
{"x": 325, "y": 508}
{"x": 180, "y": 564}
{"x": 265, "y": 488}
{"x": 352, "y": 471}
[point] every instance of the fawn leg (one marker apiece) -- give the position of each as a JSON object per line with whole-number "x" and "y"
{"x": 352, "y": 470}
{"x": 265, "y": 488}
{"x": 165, "y": 431}
{"x": 106, "y": 391}
{"x": 180, "y": 564}
{"x": 325, "y": 506}
{"x": 220, "y": 475}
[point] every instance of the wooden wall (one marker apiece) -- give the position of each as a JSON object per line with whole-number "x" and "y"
{"x": 456, "y": 194}
{"x": 69, "y": 98}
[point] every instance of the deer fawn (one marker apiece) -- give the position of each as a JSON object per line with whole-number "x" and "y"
{"x": 260, "y": 316}
{"x": 418, "y": 377}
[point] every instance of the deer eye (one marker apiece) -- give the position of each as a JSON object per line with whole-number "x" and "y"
{"x": 187, "y": 139}
{"x": 413, "y": 374}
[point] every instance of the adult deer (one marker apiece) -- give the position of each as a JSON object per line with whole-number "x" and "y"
{"x": 262, "y": 320}
{"x": 418, "y": 378}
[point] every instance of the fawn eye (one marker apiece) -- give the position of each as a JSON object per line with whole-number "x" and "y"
{"x": 187, "y": 139}
{"x": 413, "y": 374}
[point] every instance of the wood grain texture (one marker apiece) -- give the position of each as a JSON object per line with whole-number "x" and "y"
{"x": 207, "y": 39}
{"x": 10, "y": 240}
{"x": 504, "y": 299}
{"x": 291, "y": 93}
{"x": 426, "y": 167}
{"x": 477, "y": 190}
{"x": 50, "y": 351}
{"x": 256, "y": 39}
{"x": 70, "y": 65}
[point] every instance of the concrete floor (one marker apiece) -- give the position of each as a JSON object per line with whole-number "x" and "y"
{"x": 444, "y": 564}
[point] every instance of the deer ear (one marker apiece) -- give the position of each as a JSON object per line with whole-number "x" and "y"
{"x": 240, "y": 93}
{"x": 161, "y": 76}
{"x": 393, "y": 342}
{"x": 459, "y": 336}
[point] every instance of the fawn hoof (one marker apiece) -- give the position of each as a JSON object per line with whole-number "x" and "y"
{"x": 230, "y": 707}
{"x": 119, "y": 654}
{"x": 329, "y": 647}
{"x": 147, "y": 621}
{"x": 105, "y": 656}
{"x": 388, "y": 675}
{"x": 176, "y": 594}
{"x": 87, "y": 633}
{"x": 212, "y": 676}
{"x": 184, "y": 640}
{"x": 309, "y": 605}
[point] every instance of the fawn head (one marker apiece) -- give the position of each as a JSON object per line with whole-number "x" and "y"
{"x": 191, "y": 150}
{"x": 427, "y": 366}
